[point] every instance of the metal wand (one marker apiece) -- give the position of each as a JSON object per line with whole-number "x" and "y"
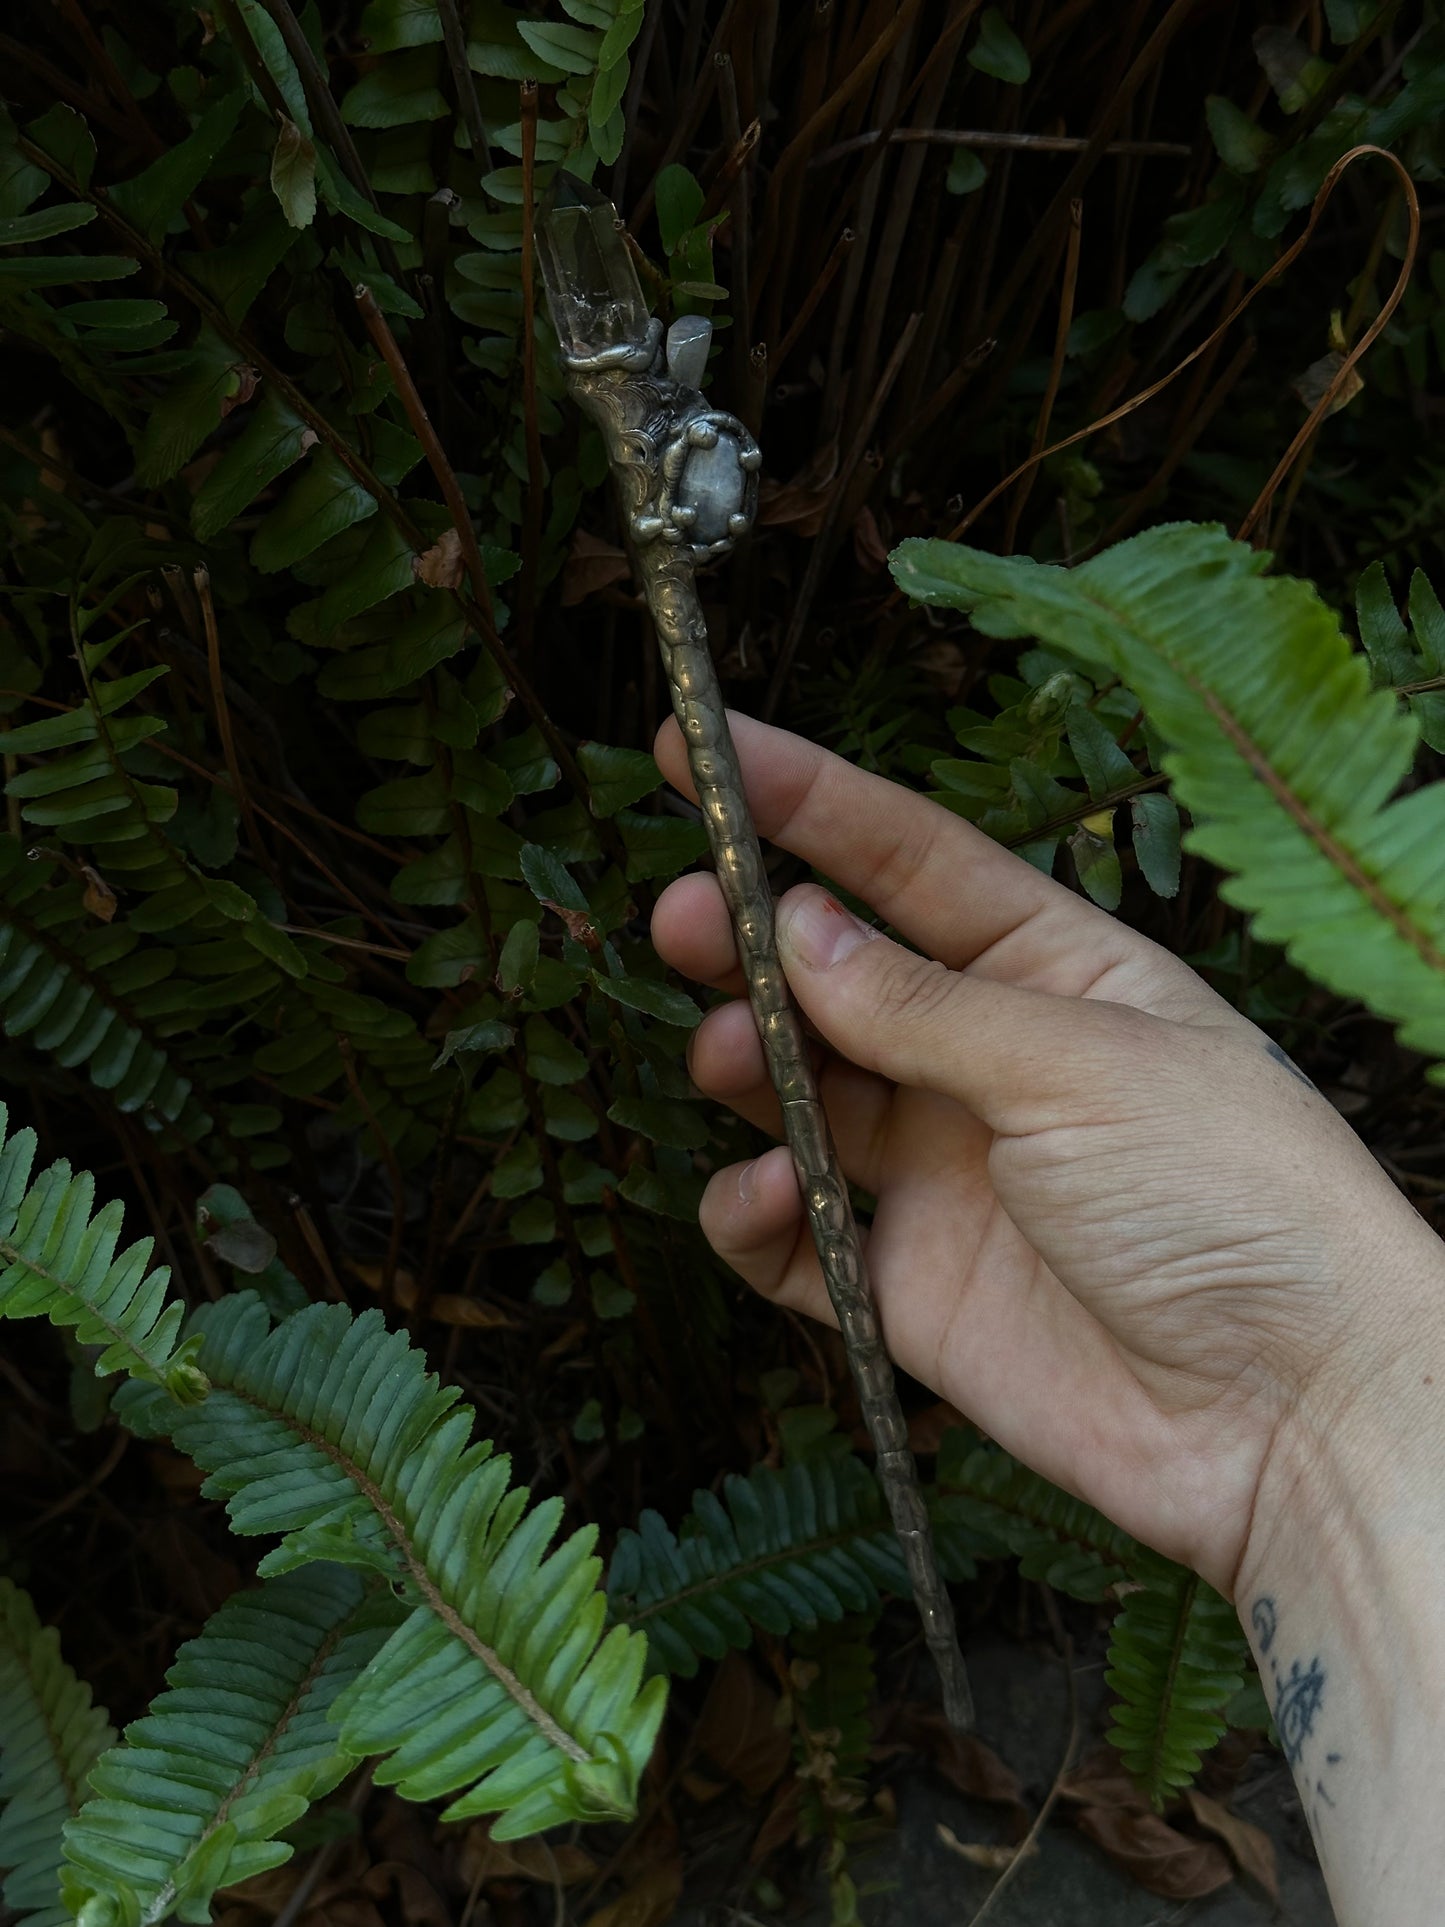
{"x": 687, "y": 475}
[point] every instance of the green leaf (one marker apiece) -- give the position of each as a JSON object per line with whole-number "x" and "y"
{"x": 999, "y": 51}
{"x": 50, "y": 1738}
{"x": 489, "y": 1035}
{"x": 517, "y": 964}
{"x": 234, "y": 1751}
{"x": 1156, "y": 841}
{"x": 63, "y": 135}
{"x": 45, "y": 223}
{"x": 325, "y": 500}
{"x": 672, "y": 1006}
{"x": 293, "y": 175}
{"x": 1282, "y": 753}
{"x": 1102, "y": 764}
{"x": 399, "y": 89}
{"x": 154, "y": 198}
{"x": 665, "y": 1120}
{"x": 549, "y": 879}
{"x": 616, "y": 777}
{"x": 189, "y": 410}
{"x": 1097, "y": 862}
{"x": 1239, "y": 143}
{"x": 966, "y": 172}
{"x": 63, "y": 270}
{"x": 679, "y": 203}
{"x": 570, "y": 50}
{"x": 272, "y": 439}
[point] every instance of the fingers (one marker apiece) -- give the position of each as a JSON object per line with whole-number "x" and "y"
{"x": 691, "y": 930}
{"x": 752, "y": 1216}
{"x": 1018, "y": 1059}
{"x": 948, "y": 887}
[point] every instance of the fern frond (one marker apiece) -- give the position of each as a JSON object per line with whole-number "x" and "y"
{"x": 238, "y": 1746}
{"x": 50, "y": 1738}
{"x": 1279, "y": 746}
{"x": 58, "y": 1259}
{"x": 83, "y": 993}
{"x": 1055, "y": 1538}
{"x": 779, "y": 1549}
{"x": 500, "y": 1687}
{"x": 1176, "y": 1658}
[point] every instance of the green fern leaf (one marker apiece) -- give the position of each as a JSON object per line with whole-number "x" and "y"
{"x": 1176, "y": 1659}
{"x": 500, "y": 1687}
{"x": 778, "y": 1550}
{"x": 1280, "y": 747}
{"x": 58, "y": 1259}
{"x": 238, "y": 1746}
{"x": 50, "y": 1738}
{"x": 1055, "y": 1537}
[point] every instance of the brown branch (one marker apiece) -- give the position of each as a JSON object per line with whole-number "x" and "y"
{"x": 997, "y": 140}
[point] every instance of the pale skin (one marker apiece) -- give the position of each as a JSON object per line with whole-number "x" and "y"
{"x": 1118, "y": 1230}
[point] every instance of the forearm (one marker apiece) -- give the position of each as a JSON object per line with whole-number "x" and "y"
{"x": 1342, "y": 1592}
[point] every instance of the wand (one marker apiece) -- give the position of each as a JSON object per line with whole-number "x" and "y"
{"x": 687, "y": 475}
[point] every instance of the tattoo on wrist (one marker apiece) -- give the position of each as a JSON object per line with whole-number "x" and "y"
{"x": 1286, "y": 1062}
{"x": 1296, "y": 1691}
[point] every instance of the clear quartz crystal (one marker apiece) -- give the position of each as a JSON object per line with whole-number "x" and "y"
{"x": 593, "y": 292}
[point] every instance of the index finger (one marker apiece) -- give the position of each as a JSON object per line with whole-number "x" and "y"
{"x": 943, "y": 884}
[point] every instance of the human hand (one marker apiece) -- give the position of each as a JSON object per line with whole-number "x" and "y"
{"x": 1115, "y": 1226}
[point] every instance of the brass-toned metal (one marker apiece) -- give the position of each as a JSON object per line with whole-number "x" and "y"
{"x": 687, "y": 477}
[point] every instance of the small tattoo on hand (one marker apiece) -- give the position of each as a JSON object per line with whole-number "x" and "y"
{"x": 1286, "y": 1062}
{"x": 1300, "y": 1698}
{"x": 1265, "y": 1621}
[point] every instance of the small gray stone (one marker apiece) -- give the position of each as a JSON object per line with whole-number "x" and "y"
{"x": 713, "y": 483}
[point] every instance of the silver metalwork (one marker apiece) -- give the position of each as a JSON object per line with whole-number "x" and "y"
{"x": 687, "y": 475}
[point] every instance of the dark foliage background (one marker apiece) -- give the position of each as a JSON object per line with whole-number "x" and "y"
{"x": 432, "y": 1071}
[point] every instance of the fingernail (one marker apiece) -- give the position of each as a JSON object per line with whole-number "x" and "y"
{"x": 820, "y": 932}
{"x": 747, "y": 1180}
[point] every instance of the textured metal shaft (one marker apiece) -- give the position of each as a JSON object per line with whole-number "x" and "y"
{"x": 667, "y": 576}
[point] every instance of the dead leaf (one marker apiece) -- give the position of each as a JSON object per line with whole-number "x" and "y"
{"x": 1160, "y": 1858}
{"x": 441, "y": 566}
{"x": 403, "y": 1285}
{"x": 800, "y": 505}
{"x": 1251, "y": 1846}
{"x": 780, "y": 1824}
{"x": 1099, "y": 1780}
{"x": 246, "y": 1245}
{"x": 591, "y": 565}
{"x": 550, "y": 1863}
{"x": 1311, "y": 385}
{"x": 993, "y": 1859}
{"x": 648, "y": 1902}
{"x": 941, "y": 664}
{"x": 99, "y": 898}
{"x": 964, "y": 1761}
{"x": 869, "y": 548}
{"x": 738, "y": 1728}
{"x": 451, "y": 1308}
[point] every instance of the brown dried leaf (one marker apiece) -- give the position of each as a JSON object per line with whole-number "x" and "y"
{"x": 926, "y": 1428}
{"x": 1099, "y": 1780}
{"x": 869, "y": 548}
{"x": 1165, "y": 1861}
{"x": 550, "y": 1863}
{"x": 1251, "y": 1846}
{"x": 1311, "y": 385}
{"x": 738, "y": 1727}
{"x": 780, "y": 1824}
{"x": 964, "y": 1761}
{"x": 99, "y": 898}
{"x": 648, "y": 1902}
{"x": 442, "y": 566}
{"x": 451, "y": 1308}
{"x": 591, "y": 565}
{"x": 993, "y": 1859}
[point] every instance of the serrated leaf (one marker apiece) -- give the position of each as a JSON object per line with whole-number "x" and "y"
{"x": 45, "y": 223}
{"x": 1156, "y": 841}
{"x": 399, "y": 90}
{"x": 549, "y": 879}
{"x": 154, "y": 198}
{"x": 616, "y": 777}
{"x": 272, "y": 439}
{"x": 189, "y": 409}
{"x": 570, "y": 50}
{"x": 662, "y": 1001}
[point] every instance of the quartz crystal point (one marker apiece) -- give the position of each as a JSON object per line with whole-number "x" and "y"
{"x": 592, "y": 287}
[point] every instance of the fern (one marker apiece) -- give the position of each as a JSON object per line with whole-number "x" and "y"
{"x": 1280, "y": 747}
{"x": 1009, "y": 1509}
{"x": 1176, "y": 1659}
{"x": 237, "y": 1747}
{"x": 500, "y": 1688}
{"x": 50, "y": 1738}
{"x": 1410, "y": 660}
{"x": 58, "y": 1259}
{"x": 780, "y": 1549}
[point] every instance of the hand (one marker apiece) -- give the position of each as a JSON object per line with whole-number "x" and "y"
{"x": 1115, "y": 1225}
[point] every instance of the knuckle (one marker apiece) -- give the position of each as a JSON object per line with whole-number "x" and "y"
{"x": 915, "y": 992}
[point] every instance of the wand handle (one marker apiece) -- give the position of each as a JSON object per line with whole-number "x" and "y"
{"x": 668, "y": 582}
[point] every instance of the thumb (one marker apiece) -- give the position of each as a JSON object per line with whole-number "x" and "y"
{"x": 1021, "y": 1060}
